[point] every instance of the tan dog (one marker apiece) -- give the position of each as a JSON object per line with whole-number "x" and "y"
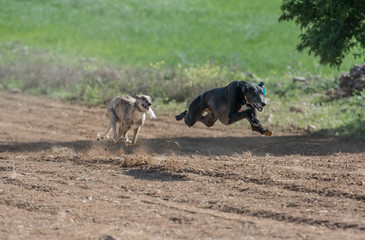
{"x": 130, "y": 113}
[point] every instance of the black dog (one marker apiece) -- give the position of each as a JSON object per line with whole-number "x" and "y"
{"x": 226, "y": 104}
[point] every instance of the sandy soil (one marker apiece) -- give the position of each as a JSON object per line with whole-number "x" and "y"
{"x": 58, "y": 182}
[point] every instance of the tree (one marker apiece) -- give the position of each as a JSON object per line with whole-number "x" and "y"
{"x": 330, "y": 28}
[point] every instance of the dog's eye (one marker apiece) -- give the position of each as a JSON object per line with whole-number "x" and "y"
{"x": 254, "y": 94}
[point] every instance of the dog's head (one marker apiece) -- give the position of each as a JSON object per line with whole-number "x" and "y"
{"x": 143, "y": 102}
{"x": 254, "y": 94}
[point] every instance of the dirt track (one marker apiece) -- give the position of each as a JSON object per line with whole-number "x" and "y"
{"x": 58, "y": 182}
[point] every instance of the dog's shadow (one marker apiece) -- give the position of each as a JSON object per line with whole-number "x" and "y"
{"x": 306, "y": 145}
{"x": 185, "y": 146}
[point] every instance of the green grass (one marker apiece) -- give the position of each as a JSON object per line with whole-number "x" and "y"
{"x": 139, "y": 32}
{"x": 344, "y": 117}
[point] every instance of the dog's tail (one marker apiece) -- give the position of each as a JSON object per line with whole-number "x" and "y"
{"x": 181, "y": 115}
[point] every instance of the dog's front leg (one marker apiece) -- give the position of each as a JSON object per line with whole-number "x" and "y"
{"x": 123, "y": 136}
{"x": 261, "y": 130}
{"x": 135, "y": 136}
{"x": 234, "y": 117}
{"x": 257, "y": 127}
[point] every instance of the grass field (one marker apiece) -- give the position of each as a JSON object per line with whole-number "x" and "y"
{"x": 141, "y": 32}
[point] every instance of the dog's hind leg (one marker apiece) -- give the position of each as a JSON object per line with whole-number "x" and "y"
{"x": 111, "y": 115}
{"x": 196, "y": 109}
{"x": 181, "y": 115}
{"x": 209, "y": 119}
{"x": 102, "y": 135}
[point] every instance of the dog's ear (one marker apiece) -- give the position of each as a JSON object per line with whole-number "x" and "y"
{"x": 241, "y": 84}
{"x": 138, "y": 96}
{"x": 241, "y": 90}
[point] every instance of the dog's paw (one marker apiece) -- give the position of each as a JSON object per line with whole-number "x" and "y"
{"x": 268, "y": 133}
{"x": 99, "y": 136}
{"x": 129, "y": 142}
{"x": 181, "y": 115}
{"x": 117, "y": 140}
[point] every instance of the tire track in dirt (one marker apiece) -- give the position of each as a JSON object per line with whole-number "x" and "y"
{"x": 295, "y": 219}
{"x": 268, "y": 183}
{"x": 291, "y": 175}
{"x": 120, "y": 162}
{"x": 135, "y": 161}
{"x": 47, "y": 207}
{"x": 283, "y": 217}
{"x": 272, "y": 183}
{"x": 34, "y": 187}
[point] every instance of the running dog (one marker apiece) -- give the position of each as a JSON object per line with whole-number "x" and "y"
{"x": 229, "y": 104}
{"x": 130, "y": 113}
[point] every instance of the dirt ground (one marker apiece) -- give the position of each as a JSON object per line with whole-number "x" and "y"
{"x": 58, "y": 182}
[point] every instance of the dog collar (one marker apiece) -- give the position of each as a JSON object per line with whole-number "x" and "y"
{"x": 246, "y": 99}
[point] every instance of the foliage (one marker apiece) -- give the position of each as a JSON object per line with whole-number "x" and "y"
{"x": 350, "y": 117}
{"x": 96, "y": 83}
{"x": 314, "y": 84}
{"x": 330, "y": 28}
{"x": 135, "y": 33}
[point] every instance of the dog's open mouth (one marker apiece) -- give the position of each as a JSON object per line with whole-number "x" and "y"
{"x": 146, "y": 106}
{"x": 258, "y": 107}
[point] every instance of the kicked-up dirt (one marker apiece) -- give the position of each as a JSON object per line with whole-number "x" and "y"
{"x": 58, "y": 182}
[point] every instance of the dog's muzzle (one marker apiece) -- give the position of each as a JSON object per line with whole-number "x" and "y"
{"x": 259, "y": 107}
{"x": 146, "y": 105}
